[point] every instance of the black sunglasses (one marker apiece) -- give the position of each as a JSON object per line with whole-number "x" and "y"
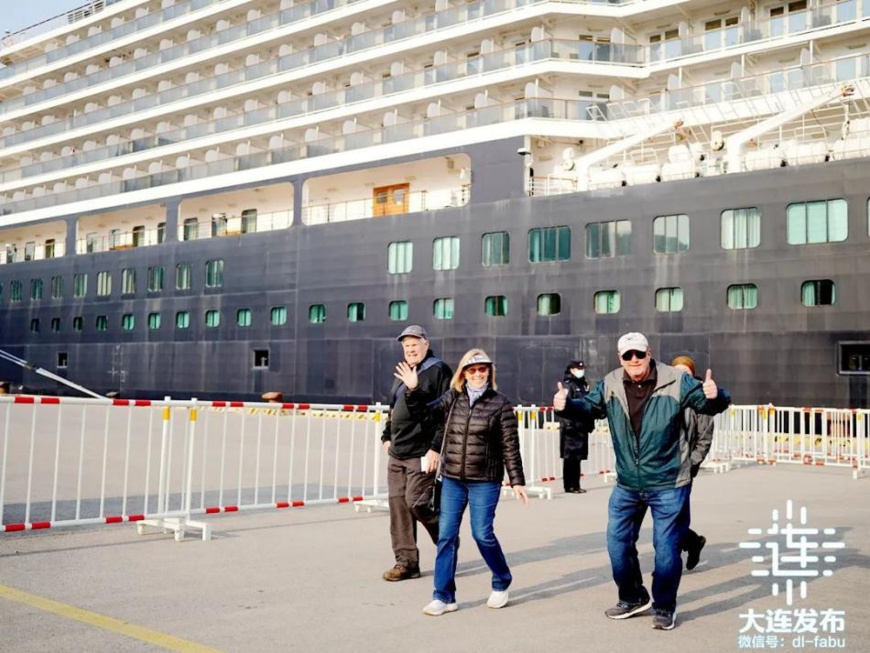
{"x": 627, "y": 356}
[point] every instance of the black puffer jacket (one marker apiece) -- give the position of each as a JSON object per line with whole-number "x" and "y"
{"x": 480, "y": 441}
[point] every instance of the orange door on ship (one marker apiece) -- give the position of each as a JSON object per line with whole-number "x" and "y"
{"x": 390, "y": 200}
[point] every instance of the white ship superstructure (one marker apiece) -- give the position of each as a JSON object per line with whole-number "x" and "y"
{"x": 137, "y": 102}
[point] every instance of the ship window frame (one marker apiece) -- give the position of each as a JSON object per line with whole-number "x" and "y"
{"x": 549, "y": 304}
{"x": 671, "y": 243}
{"x": 819, "y": 292}
{"x": 445, "y": 253}
{"x": 128, "y": 322}
{"x": 749, "y": 233}
{"x": 212, "y": 318}
{"x": 57, "y": 287}
{"x": 128, "y": 281}
{"x": 104, "y": 283}
{"x": 214, "y": 273}
{"x": 842, "y": 351}
{"x": 36, "y": 287}
{"x": 280, "y": 311}
{"x": 618, "y": 244}
{"x": 496, "y": 305}
{"x": 190, "y": 229}
{"x": 183, "y": 272}
{"x": 244, "y": 317}
{"x": 809, "y": 230}
{"x": 316, "y": 313}
{"x": 34, "y": 325}
{"x": 80, "y": 285}
{"x": 156, "y": 278}
{"x": 549, "y": 244}
{"x": 443, "y": 308}
{"x": 16, "y": 290}
{"x": 55, "y": 325}
{"x": 182, "y": 320}
{"x": 62, "y": 360}
{"x": 78, "y": 323}
{"x": 260, "y": 359}
{"x": 401, "y": 312}
{"x": 101, "y": 323}
{"x": 356, "y": 312}
{"x": 495, "y": 249}
{"x": 743, "y": 304}
{"x": 607, "y": 295}
{"x": 154, "y": 321}
{"x": 400, "y": 257}
{"x": 675, "y": 302}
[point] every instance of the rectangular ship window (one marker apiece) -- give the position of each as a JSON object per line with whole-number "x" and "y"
{"x": 78, "y": 323}
{"x": 821, "y": 292}
{"x": 80, "y": 285}
{"x": 608, "y": 239}
{"x": 104, "y": 284}
{"x": 398, "y": 310}
{"x": 743, "y": 296}
{"x": 183, "y": 272}
{"x": 182, "y": 320}
{"x": 741, "y": 228}
{"x": 855, "y": 358}
{"x": 549, "y": 304}
{"x": 356, "y": 312}
{"x": 443, "y": 308}
{"x": 154, "y": 321}
{"x": 317, "y": 313}
{"x": 55, "y": 324}
{"x": 128, "y": 281}
{"x": 549, "y": 244}
{"x": 669, "y": 300}
{"x": 400, "y": 257}
{"x": 495, "y": 249}
{"x": 278, "y": 315}
{"x": 35, "y": 289}
{"x": 445, "y": 253}
{"x": 496, "y": 305}
{"x": 62, "y": 360}
{"x": 214, "y": 273}
{"x": 817, "y": 222}
{"x": 155, "y": 278}
{"x": 243, "y": 317}
{"x": 261, "y": 359}
{"x": 57, "y": 287}
{"x": 671, "y": 234}
{"x": 212, "y": 319}
{"x": 606, "y": 302}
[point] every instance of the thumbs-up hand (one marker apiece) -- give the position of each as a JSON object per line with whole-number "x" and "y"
{"x": 710, "y": 389}
{"x": 560, "y": 399}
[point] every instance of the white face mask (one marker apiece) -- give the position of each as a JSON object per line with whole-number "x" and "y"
{"x": 578, "y": 374}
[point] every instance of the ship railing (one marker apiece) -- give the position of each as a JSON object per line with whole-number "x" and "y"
{"x": 117, "y": 239}
{"x": 412, "y": 202}
{"x": 180, "y": 8}
{"x": 39, "y": 252}
{"x": 551, "y": 185}
{"x": 447, "y": 122}
{"x": 221, "y": 225}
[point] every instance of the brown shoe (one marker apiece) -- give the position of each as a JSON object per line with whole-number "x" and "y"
{"x": 401, "y": 572}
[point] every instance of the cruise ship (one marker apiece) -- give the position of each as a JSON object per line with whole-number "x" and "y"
{"x": 219, "y": 198}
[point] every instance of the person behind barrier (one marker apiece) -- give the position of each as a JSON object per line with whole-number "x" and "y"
{"x": 698, "y": 432}
{"x": 644, "y": 403}
{"x": 413, "y": 444}
{"x": 574, "y": 436}
{"x": 481, "y": 442}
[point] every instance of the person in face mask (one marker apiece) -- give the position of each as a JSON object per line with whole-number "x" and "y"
{"x": 574, "y": 436}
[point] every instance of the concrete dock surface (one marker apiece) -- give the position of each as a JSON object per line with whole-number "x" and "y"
{"x": 309, "y": 579}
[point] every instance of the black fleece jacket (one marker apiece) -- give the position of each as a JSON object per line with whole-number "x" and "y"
{"x": 412, "y": 437}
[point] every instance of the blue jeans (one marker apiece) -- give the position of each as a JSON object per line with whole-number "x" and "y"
{"x": 626, "y": 511}
{"x": 482, "y": 497}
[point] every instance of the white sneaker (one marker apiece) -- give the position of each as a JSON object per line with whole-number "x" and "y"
{"x": 437, "y": 608}
{"x": 498, "y": 599}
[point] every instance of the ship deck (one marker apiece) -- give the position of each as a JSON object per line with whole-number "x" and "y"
{"x": 308, "y": 579}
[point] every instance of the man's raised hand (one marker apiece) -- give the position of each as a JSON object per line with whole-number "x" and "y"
{"x": 560, "y": 399}
{"x": 407, "y": 375}
{"x": 711, "y": 391}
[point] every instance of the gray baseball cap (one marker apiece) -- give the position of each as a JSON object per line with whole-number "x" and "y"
{"x": 413, "y": 330}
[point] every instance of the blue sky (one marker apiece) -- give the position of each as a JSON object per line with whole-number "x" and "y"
{"x": 24, "y": 13}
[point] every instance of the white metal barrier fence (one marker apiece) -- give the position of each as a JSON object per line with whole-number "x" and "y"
{"x": 69, "y": 461}
{"x": 805, "y": 436}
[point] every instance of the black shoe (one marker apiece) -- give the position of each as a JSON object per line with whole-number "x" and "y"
{"x": 664, "y": 620}
{"x": 624, "y": 609}
{"x": 580, "y": 490}
{"x": 694, "y": 556}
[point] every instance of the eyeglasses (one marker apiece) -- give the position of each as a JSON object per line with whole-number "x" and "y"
{"x": 633, "y": 353}
{"x": 477, "y": 369}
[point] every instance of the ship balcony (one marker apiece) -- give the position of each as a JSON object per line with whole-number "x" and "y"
{"x": 499, "y": 60}
{"x": 117, "y": 239}
{"x": 256, "y": 210}
{"x": 220, "y": 225}
{"x": 33, "y": 243}
{"x": 425, "y": 185}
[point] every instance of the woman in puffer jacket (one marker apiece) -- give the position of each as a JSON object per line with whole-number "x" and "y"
{"x": 480, "y": 444}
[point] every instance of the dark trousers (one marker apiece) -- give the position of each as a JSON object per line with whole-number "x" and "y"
{"x": 571, "y": 473}
{"x": 408, "y": 487}
{"x": 691, "y": 538}
{"x": 626, "y": 511}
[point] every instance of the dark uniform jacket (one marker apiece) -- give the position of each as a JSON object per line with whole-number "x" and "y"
{"x": 480, "y": 441}
{"x": 574, "y": 435}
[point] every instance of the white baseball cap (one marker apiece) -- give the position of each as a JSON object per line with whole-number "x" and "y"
{"x": 632, "y": 342}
